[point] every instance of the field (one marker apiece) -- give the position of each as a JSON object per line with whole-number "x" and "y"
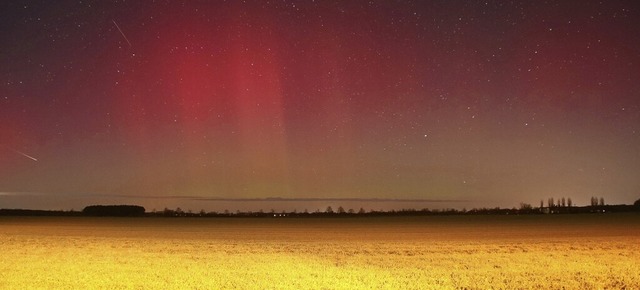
{"x": 440, "y": 252}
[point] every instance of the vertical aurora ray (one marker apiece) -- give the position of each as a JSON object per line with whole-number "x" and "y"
{"x": 256, "y": 80}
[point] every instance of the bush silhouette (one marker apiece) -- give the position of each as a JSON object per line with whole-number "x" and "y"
{"x": 113, "y": 210}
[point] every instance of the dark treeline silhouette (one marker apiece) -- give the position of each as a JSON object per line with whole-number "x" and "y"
{"x": 329, "y": 212}
{"x": 114, "y": 210}
{"x": 525, "y": 209}
{"x": 560, "y": 206}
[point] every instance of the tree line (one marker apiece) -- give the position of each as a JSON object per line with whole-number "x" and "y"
{"x": 114, "y": 210}
{"x": 559, "y": 206}
{"x": 563, "y": 206}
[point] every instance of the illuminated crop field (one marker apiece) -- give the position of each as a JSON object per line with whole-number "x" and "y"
{"x": 571, "y": 252}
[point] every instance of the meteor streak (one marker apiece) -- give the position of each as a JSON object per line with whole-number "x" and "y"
{"x": 125, "y": 37}
{"x": 24, "y": 154}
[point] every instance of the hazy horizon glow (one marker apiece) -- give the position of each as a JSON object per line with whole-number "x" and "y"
{"x": 489, "y": 103}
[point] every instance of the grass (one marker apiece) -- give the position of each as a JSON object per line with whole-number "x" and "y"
{"x": 443, "y": 252}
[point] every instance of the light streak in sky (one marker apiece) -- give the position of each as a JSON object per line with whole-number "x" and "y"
{"x": 24, "y": 154}
{"x": 125, "y": 37}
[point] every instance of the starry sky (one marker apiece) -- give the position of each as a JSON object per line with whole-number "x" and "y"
{"x": 386, "y": 104}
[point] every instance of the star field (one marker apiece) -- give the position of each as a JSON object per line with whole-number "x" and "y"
{"x": 488, "y": 103}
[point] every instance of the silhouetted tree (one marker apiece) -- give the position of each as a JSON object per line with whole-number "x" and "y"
{"x": 602, "y": 201}
{"x": 361, "y": 211}
{"x": 637, "y": 204}
{"x": 564, "y": 202}
{"x": 113, "y": 210}
{"x": 340, "y": 210}
{"x": 351, "y": 211}
{"x": 569, "y": 202}
{"x": 329, "y": 209}
{"x": 550, "y": 202}
{"x": 541, "y": 203}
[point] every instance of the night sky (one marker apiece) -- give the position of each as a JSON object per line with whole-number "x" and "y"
{"x": 218, "y": 104}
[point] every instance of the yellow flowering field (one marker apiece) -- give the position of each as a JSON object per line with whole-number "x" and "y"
{"x": 437, "y": 252}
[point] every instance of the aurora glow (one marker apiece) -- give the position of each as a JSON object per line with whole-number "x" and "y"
{"x": 486, "y": 102}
